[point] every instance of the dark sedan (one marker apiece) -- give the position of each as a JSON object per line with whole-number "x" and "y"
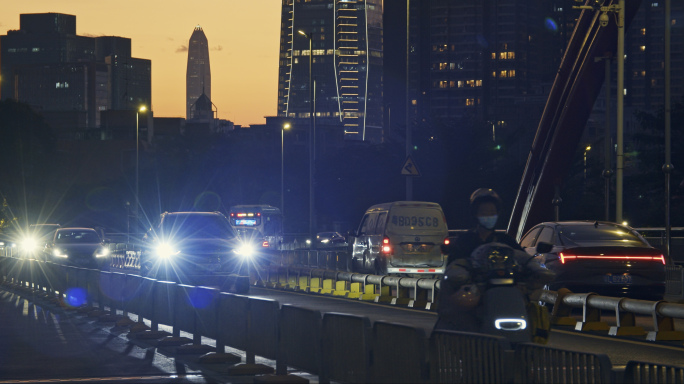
{"x": 80, "y": 247}
{"x": 601, "y": 257}
{"x": 185, "y": 245}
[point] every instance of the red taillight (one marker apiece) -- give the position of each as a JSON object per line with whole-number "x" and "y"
{"x": 386, "y": 248}
{"x": 447, "y": 241}
{"x": 264, "y": 243}
{"x": 564, "y": 257}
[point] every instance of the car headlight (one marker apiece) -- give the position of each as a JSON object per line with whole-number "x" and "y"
{"x": 29, "y": 244}
{"x": 59, "y": 253}
{"x": 102, "y": 252}
{"x": 166, "y": 251}
{"x": 245, "y": 250}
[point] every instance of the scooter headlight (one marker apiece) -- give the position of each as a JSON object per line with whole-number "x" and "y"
{"x": 166, "y": 251}
{"x": 510, "y": 324}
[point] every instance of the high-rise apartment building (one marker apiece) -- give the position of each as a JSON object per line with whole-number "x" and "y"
{"x": 347, "y": 56}
{"x": 198, "y": 77}
{"x": 471, "y": 63}
{"x": 46, "y": 64}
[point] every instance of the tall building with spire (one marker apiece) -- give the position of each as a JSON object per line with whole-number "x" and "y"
{"x": 347, "y": 56}
{"x": 198, "y": 77}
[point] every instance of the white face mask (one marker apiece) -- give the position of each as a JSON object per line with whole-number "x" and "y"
{"x": 488, "y": 221}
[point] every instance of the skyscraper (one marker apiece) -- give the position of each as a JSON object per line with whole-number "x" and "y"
{"x": 198, "y": 77}
{"x": 346, "y": 39}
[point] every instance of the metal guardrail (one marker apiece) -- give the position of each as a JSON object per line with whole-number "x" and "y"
{"x": 204, "y": 312}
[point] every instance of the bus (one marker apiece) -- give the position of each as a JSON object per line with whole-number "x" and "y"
{"x": 261, "y": 225}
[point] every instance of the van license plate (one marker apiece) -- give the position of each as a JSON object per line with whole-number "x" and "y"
{"x": 618, "y": 279}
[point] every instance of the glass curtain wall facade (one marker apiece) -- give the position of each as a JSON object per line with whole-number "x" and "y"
{"x": 346, "y": 40}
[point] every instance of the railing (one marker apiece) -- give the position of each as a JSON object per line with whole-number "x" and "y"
{"x": 336, "y": 347}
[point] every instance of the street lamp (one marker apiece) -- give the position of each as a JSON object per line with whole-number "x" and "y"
{"x": 312, "y": 140}
{"x": 282, "y": 168}
{"x": 140, "y": 110}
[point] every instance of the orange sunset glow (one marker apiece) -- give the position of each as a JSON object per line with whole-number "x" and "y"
{"x": 243, "y": 39}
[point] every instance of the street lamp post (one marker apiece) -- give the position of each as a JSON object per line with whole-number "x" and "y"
{"x": 137, "y": 165}
{"x": 312, "y": 141}
{"x": 282, "y": 168}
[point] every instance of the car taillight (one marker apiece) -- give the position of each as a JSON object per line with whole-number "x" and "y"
{"x": 264, "y": 243}
{"x": 565, "y": 256}
{"x": 386, "y": 248}
{"x": 447, "y": 241}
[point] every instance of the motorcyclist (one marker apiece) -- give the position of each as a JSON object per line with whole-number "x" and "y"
{"x": 459, "y": 295}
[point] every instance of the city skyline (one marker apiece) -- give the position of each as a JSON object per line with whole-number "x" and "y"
{"x": 244, "y": 91}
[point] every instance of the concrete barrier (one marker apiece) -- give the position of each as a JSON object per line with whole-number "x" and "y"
{"x": 300, "y": 340}
{"x": 345, "y": 348}
{"x": 460, "y": 357}
{"x": 398, "y": 354}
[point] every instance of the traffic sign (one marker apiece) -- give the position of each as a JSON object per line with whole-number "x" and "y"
{"x": 410, "y": 168}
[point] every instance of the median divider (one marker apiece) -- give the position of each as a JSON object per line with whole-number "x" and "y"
{"x": 534, "y": 363}
{"x": 647, "y": 373}
{"x": 398, "y": 354}
{"x": 345, "y": 343}
{"x": 341, "y": 347}
{"x": 300, "y": 340}
{"x": 233, "y": 322}
{"x": 461, "y": 357}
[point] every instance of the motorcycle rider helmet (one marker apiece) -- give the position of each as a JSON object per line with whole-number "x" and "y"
{"x": 484, "y": 195}
{"x": 467, "y": 296}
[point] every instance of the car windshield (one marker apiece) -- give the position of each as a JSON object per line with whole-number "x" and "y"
{"x": 601, "y": 234}
{"x": 196, "y": 226}
{"x": 77, "y": 237}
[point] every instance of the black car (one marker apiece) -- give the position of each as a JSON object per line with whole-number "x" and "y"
{"x": 188, "y": 244}
{"x": 601, "y": 257}
{"x": 330, "y": 239}
{"x": 83, "y": 247}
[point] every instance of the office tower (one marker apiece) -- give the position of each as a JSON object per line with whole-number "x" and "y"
{"x": 198, "y": 77}
{"x": 346, "y": 45}
{"x": 71, "y": 78}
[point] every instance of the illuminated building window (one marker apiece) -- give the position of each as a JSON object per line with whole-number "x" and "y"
{"x": 443, "y": 83}
{"x": 643, "y": 31}
{"x": 643, "y": 73}
{"x": 442, "y": 66}
{"x": 642, "y": 48}
{"x": 460, "y": 84}
{"x": 414, "y": 102}
{"x": 478, "y": 83}
{"x": 506, "y": 55}
{"x": 452, "y": 66}
{"x": 493, "y": 73}
{"x": 470, "y": 102}
{"x": 493, "y": 55}
{"x": 452, "y": 84}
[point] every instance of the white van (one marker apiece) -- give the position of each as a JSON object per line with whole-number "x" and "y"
{"x": 403, "y": 237}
